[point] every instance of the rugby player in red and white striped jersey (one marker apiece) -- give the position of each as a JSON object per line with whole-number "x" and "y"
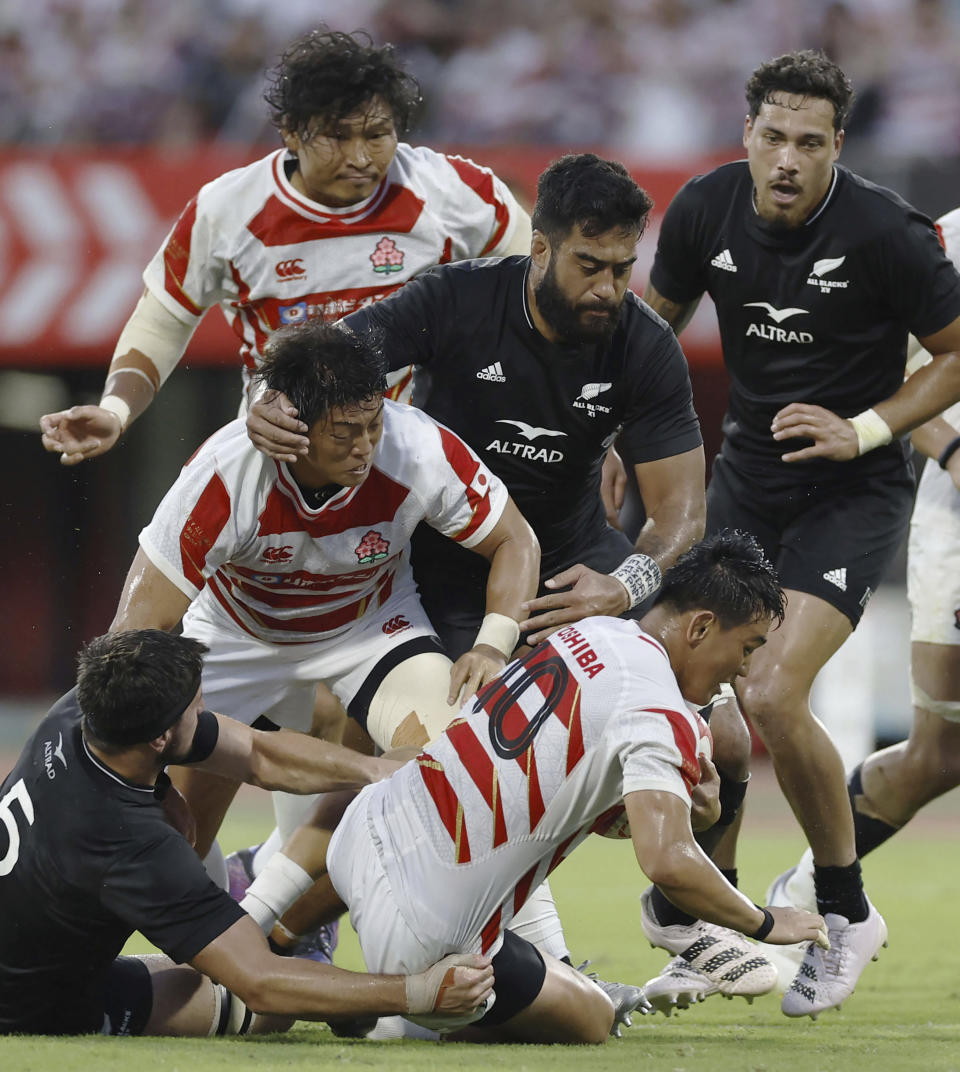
{"x": 339, "y": 218}
{"x": 296, "y": 574}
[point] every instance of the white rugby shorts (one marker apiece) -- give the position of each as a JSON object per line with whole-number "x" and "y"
{"x": 245, "y": 678}
{"x": 933, "y": 560}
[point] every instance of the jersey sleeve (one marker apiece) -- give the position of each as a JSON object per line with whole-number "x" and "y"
{"x": 678, "y": 271}
{"x": 467, "y": 499}
{"x": 660, "y": 420}
{"x": 482, "y": 212}
{"x": 658, "y": 751}
{"x": 186, "y": 275}
{"x": 410, "y": 324}
{"x": 193, "y": 531}
{"x": 919, "y": 279}
{"x": 162, "y": 890}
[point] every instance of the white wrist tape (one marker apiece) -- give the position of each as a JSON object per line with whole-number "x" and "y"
{"x": 641, "y": 577}
{"x": 157, "y": 334}
{"x": 274, "y": 890}
{"x": 872, "y": 430}
{"x": 115, "y": 404}
{"x": 424, "y": 990}
{"x": 499, "y": 632}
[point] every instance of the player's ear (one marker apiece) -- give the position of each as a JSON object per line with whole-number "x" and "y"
{"x": 700, "y": 625}
{"x": 540, "y": 250}
{"x": 291, "y": 140}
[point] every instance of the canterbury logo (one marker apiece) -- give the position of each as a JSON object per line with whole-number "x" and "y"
{"x": 290, "y": 269}
{"x": 278, "y": 554}
{"x": 395, "y": 624}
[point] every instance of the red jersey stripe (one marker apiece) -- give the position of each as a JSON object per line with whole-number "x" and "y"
{"x": 522, "y": 889}
{"x": 176, "y": 259}
{"x": 685, "y": 738}
{"x": 491, "y": 930}
{"x": 447, "y": 804}
{"x": 481, "y": 180}
{"x": 478, "y": 764}
{"x": 201, "y": 529}
{"x": 375, "y": 501}
{"x": 475, "y": 484}
{"x": 397, "y": 213}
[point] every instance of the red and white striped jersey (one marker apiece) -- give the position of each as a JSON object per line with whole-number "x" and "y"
{"x": 542, "y": 757}
{"x": 268, "y": 256}
{"x": 235, "y": 531}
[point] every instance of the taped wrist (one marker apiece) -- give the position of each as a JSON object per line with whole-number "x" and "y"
{"x": 500, "y": 632}
{"x": 274, "y": 890}
{"x": 115, "y": 404}
{"x": 641, "y": 577}
{"x": 872, "y": 431}
{"x": 424, "y": 989}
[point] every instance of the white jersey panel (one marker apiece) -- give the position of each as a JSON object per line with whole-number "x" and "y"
{"x": 268, "y": 256}
{"x": 235, "y": 532}
{"x": 543, "y": 756}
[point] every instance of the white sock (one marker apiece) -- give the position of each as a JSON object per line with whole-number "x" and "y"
{"x": 274, "y": 890}
{"x": 539, "y": 923}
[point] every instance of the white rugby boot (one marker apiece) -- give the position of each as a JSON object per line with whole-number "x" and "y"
{"x": 794, "y": 888}
{"x": 827, "y": 977}
{"x": 727, "y": 959}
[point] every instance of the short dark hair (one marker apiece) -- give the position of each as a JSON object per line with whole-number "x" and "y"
{"x": 728, "y": 574}
{"x": 319, "y": 366}
{"x": 131, "y": 686}
{"x": 326, "y": 76}
{"x": 807, "y": 74}
{"x": 598, "y": 195}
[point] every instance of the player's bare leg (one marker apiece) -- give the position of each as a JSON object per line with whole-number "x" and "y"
{"x": 569, "y": 1008}
{"x": 896, "y": 782}
{"x": 775, "y": 696}
{"x": 189, "y": 1004}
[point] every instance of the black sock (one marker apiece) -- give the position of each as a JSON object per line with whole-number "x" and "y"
{"x": 666, "y": 912}
{"x": 870, "y": 832}
{"x": 840, "y": 890}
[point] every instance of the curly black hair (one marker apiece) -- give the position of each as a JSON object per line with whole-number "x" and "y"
{"x": 325, "y": 76}
{"x": 320, "y": 366}
{"x": 807, "y": 74}
{"x": 598, "y": 195}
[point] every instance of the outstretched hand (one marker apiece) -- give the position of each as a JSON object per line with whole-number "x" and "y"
{"x": 473, "y": 670}
{"x": 79, "y": 432}
{"x": 833, "y": 437}
{"x": 456, "y": 985}
{"x": 792, "y": 925}
{"x": 586, "y": 592}
{"x": 274, "y": 428}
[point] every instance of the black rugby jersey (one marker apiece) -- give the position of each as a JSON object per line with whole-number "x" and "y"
{"x": 540, "y": 415}
{"x": 86, "y": 859}
{"x": 819, "y": 314}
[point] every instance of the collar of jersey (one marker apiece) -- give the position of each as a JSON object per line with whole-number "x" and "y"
{"x": 290, "y": 486}
{"x": 118, "y": 778}
{"x": 313, "y": 210}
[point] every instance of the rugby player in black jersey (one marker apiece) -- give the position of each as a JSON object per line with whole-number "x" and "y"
{"x": 817, "y": 276}
{"x": 538, "y": 362}
{"x": 89, "y": 854}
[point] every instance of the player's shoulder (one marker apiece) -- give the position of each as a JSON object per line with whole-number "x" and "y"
{"x": 477, "y": 282}
{"x": 419, "y": 162}
{"x": 639, "y": 318}
{"x": 716, "y": 186}
{"x": 949, "y": 227}
{"x": 240, "y": 184}
{"x": 866, "y": 208}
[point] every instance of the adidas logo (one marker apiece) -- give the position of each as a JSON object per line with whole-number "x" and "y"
{"x": 493, "y": 373}
{"x": 725, "y": 261}
{"x": 837, "y": 577}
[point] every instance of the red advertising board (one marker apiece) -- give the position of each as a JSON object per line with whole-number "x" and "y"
{"x": 77, "y": 228}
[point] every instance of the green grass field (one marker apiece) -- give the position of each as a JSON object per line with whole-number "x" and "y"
{"x": 904, "y": 1016}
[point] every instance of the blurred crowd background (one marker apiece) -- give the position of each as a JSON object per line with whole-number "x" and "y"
{"x": 654, "y": 78}
{"x": 113, "y": 113}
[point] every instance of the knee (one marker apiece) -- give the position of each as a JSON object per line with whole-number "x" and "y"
{"x": 732, "y": 745}
{"x": 934, "y": 758}
{"x": 762, "y": 701}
